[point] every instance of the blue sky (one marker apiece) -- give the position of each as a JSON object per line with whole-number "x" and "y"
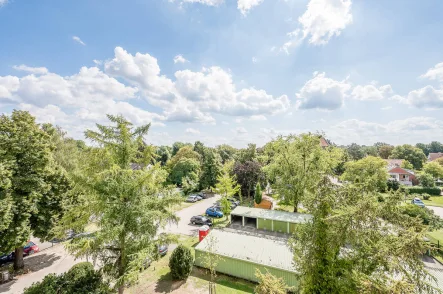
{"x": 228, "y": 71}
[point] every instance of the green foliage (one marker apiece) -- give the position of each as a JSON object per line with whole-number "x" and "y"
{"x": 80, "y": 279}
{"x": 426, "y": 196}
{"x": 420, "y": 190}
{"x": 226, "y": 152}
{"x": 406, "y": 164}
{"x": 355, "y": 151}
{"x": 247, "y": 175}
{"x": 298, "y": 164}
{"x": 210, "y": 169}
{"x": 177, "y": 146}
{"x": 385, "y": 151}
{"x": 181, "y": 263}
{"x": 426, "y": 180}
{"x": 227, "y": 187}
{"x": 247, "y": 154}
{"x": 34, "y": 186}
{"x": 185, "y": 167}
{"x": 269, "y": 284}
{"x": 384, "y": 242}
{"x": 434, "y": 168}
{"x": 258, "y": 194}
{"x": 189, "y": 185}
{"x": 426, "y": 215}
{"x": 185, "y": 152}
{"x": 392, "y": 185}
{"x": 128, "y": 205}
{"x": 370, "y": 171}
{"x": 412, "y": 154}
{"x": 163, "y": 154}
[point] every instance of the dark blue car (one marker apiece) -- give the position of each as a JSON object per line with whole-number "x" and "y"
{"x": 214, "y": 212}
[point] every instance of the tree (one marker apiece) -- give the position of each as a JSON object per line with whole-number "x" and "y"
{"x": 226, "y": 152}
{"x": 406, "y": 164}
{"x": 370, "y": 170}
{"x": 412, "y": 154}
{"x": 370, "y": 150}
{"x": 426, "y": 180}
{"x": 189, "y": 185}
{"x": 247, "y": 154}
{"x": 211, "y": 260}
{"x": 227, "y": 187}
{"x": 33, "y": 191}
{"x": 258, "y": 194}
{"x": 269, "y": 284}
{"x": 423, "y": 147}
{"x": 248, "y": 174}
{"x": 181, "y": 262}
{"x": 385, "y": 151}
{"x": 426, "y": 215}
{"x": 199, "y": 147}
{"x": 210, "y": 169}
{"x": 350, "y": 217}
{"x": 80, "y": 279}
{"x": 128, "y": 205}
{"x": 184, "y": 168}
{"x": 435, "y": 147}
{"x": 439, "y": 161}
{"x": 355, "y": 151}
{"x": 299, "y": 162}
{"x": 177, "y": 146}
{"x": 184, "y": 152}
{"x": 434, "y": 168}
{"x": 163, "y": 154}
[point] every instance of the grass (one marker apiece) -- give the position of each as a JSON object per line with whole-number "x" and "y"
{"x": 157, "y": 278}
{"x": 181, "y": 206}
{"x": 434, "y": 201}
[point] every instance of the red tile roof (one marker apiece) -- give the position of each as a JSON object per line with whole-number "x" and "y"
{"x": 323, "y": 142}
{"x": 434, "y": 156}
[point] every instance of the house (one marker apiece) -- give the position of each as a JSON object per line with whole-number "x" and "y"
{"x": 240, "y": 254}
{"x": 402, "y": 175}
{"x": 323, "y": 142}
{"x": 434, "y": 156}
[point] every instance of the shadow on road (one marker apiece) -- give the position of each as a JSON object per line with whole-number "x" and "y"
{"x": 166, "y": 285}
{"x": 33, "y": 263}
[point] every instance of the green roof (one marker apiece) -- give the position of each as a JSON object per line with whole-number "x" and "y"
{"x": 291, "y": 217}
{"x": 239, "y": 245}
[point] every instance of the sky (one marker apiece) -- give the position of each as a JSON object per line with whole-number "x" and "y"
{"x": 228, "y": 71}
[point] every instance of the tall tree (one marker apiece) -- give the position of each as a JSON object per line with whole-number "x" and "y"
{"x": 369, "y": 169}
{"x": 385, "y": 151}
{"x": 226, "y": 184}
{"x": 33, "y": 200}
{"x": 426, "y": 180}
{"x": 434, "y": 168}
{"x": 423, "y": 147}
{"x": 258, "y": 194}
{"x": 355, "y": 151}
{"x": 163, "y": 153}
{"x": 177, "y": 146}
{"x": 248, "y": 174}
{"x": 298, "y": 164}
{"x": 247, "y": 154}
{"x": 185, "y": 168}
{"x": 435, "y": 147}
{"x": 199, "y": 147}
{"x": 129, "y": 206}
{"x": 210, "y": 168}
{"x": 412, "y": 154}
{"x": 226, "y": 152}
{"x": 339, "y": 249}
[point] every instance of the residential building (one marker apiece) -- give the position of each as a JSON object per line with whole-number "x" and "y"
{"x": 434, "y": 156}
{"x": 402, "y": 175}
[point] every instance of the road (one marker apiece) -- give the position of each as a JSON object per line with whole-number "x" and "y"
{"x": 55, "y": 259}
{"x": 437, "y": 210}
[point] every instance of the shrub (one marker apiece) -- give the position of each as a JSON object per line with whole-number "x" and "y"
{"x": 181, "y": 262}
{"x": 426, "y": 196}
{"x": 426, "y": 180}
{"x": 258, "y": 194}
{"x": 81, "y": 279}
{"x": 269, "y": 284}
{"x": 393, "y": 185}
{"x": 435, "y": 191}
{"x": 426, "y": 215}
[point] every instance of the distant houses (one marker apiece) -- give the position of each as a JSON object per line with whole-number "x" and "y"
{"x": 396, "y": 172}
{"x": 435, "y": 156}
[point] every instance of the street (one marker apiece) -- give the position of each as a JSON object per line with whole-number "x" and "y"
{"x": 55, "y": 259}
{"x": 437, "y": 210}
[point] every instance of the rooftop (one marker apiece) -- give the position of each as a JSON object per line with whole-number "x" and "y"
{"x": 271, "y": 252}
{"x": 291, "y": 217}
{"x": 434, "y": 156}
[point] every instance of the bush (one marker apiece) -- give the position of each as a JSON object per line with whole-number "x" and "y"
{"x": 181, "y": 262}
{"x": 425, "y": 214}
{"x": 426, "y": 180}
{"x": 269, "y": 283}
{"x": 393, "y": 185}
{"x": 81, "y": 278}
{"x": 426, "y": 196}
{"x": 420, "y": 190}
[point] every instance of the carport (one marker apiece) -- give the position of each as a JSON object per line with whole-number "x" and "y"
{"x": 268, "y": 220}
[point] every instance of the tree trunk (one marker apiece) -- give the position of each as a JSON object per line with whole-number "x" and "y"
{"x": 18, "y": 259}
{"x": 121, "y": 289}
{"x": 296, "y": 208}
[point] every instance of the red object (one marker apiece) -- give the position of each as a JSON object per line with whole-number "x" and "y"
{"x": 30, "y": 248}
{"x": 203, "y": 231}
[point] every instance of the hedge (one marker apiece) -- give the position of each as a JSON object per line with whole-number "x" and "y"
{"x": 420, "y": 190}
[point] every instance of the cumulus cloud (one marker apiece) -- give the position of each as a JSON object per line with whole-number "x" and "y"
{"x": 240, "y": 131}
{"x": 192, "y": 131}
{"x": 427, "y": 97}
{"x": 205, "y": 2}
{"x": 322, "y": 20}
{"x": 245, "y": 5}
{"x": 34, "y": 70}
{"x": 78, "y": 40}
{"x": 434, "y": 73}
{"x": 371, "y": 92}
{"x": 180, "y": 59}
{"x": 8, "y": 85}
{"x": 97, "y": 62}
{"x": 3, "y": 2}
{"x": 321, "y": 92}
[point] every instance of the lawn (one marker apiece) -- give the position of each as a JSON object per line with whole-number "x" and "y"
{"x": 434, "y": 201}
{"x": 157, "y": 279}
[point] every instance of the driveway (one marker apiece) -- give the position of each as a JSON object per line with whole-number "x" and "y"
{"x": 184, "y": 226}
{"x": 437, "y": 210}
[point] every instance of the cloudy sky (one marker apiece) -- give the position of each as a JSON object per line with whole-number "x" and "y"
{"x": 228, "y": 71}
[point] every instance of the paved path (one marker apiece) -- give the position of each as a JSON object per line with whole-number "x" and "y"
{"x": 437, "y": 210}
{"x": 55, "y": 259}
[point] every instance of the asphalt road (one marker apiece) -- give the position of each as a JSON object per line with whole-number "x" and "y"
{"x": 53, "y": 258}
{"x": 437, "y": 210}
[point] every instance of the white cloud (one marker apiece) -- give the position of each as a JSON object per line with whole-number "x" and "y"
{"x": 322, "y": 93}
{"x": 427, "y": 97}
{"x": 205, "y": 2}
{"x": 78, "y": 40}
{"x": 3, "y": 2}
{"x": 192, "y": 131}
{"x": 434, "y": 73}
{"x": 240, "y": 131}
{"x": 34, "y": 70}
{"x": 371, "y": 92}
{"x": 180, "y": 59}
{"x": 386, "y": 108}
{"x": 97, "y": 62}
{"x": 245, "y": 5}
{"x": 254, "y": 59}
{"x": 8, "y": 85}
{"x": 322, "y": 20}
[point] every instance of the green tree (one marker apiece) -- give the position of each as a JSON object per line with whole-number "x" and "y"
{"x": 189, "y": 185}
{"x": 434, "y": 168}
{"x": 184, "y": 168}
{"x": 350, "y": 217}
{"x": 210, "y": 169}
{"x": 427, "y": 216}
{"x": 439, "y": 161}
{"x": 247, "y": 154}
{"x": 181, "y": 262}
{"x": 226, "y": 184}
{"x": 355, "y": 151}
{"x": 412, "y": 154}
{"x": 426, "y": 180}
{"x": 163, "y": 154}
{"x": 269, "y": 284}
{"x": 128, "y": 206}
{"x": 199, "y": 147}
{"x": 423, "y": 147}
{"x": 385, "y": 151}
{"x": 258, "y": 194}
{"x": 406, "y": 164}
{"x": 369, "y": 170}
{"x": 247, "y": 175}
{"x": 370, "y": 150}
{"x": 226, "y": 152}
{"x": 33, "y": 191}
{"x": 184, "y": 152}
{"x": 298, "y": 164}
{"x": 435, "y": 147}
{"x": 179, "y": 145}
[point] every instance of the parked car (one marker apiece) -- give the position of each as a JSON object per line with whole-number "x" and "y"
{"x": 218, "y": 204}
{"x": 163, "y": 250}
{"x": 235, "y": 201}
{"x": 418, "y": 202}
{"x": 5, "y": 258}
{"x": 198, "y": 197}
{"x": 214, "y": 212}
{"x": 191, "y": 199}
{"x": 201, "y": 220}
{"x": 30, "y": 248}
